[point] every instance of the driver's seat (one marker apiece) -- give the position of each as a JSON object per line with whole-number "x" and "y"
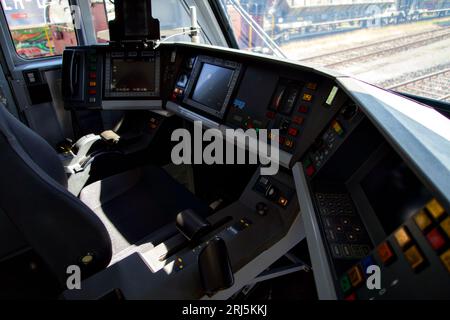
{"x": 63, "y": 230}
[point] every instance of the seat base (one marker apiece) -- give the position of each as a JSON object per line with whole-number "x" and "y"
{"x": 134, "y": 204}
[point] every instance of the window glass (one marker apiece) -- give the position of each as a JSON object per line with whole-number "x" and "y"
{"x": 397, "y": 44}
{"x": 172, "y": 14}
{"x": 39, "y": 28}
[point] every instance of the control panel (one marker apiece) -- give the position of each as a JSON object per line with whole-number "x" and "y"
{"x": 375, "y": 213}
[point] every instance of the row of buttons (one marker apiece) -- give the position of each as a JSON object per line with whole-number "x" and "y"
{"x": 437, "y": 240}
{"x": 92, "y": 81}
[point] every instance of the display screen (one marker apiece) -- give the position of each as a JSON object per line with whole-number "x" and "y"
{"x": 133, "y": 75}
{"x": 212, "y": 86}
{"x": 394, "y": 192}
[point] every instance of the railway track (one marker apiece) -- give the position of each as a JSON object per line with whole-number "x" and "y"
{"x": 435, "y": 85}
{"x": 381, "y": 48}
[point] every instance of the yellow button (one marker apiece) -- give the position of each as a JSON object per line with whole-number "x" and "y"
{"x": 414, "y": 257}
{"x": 445, "y": 225}
{"x": 355, "y": 275}
{"x": 435, "y": 208}
{"x": 422, "y": 220}
{"x": 402, "y": 237}
{"x": 307, "y": 97}
{"x": 445, "y": 258}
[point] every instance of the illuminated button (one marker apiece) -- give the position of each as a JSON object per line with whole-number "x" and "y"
{"x": 298, "y": 120}
{"x": 422, "y": 220}
{"x": 303, "y": 109}
{"x": 345, "y": 284}
{"x": 307, "y": 97}
{"x": 270, "y": 114}
{"x": 310, "y": 171}
{"x": 92, "y": 100}
{"x": 293, "y": 132}
{"x": 435, "y": 208}
{"x": 402, "y": 237}
{"x": 356, "y": 276}
{"x": 282, "y": 201}
{"x": 414, "y": 257}
{"x": 311, "y": 85}
{"x": 337, "y": 128}
{"x": 92, "y": 91}
{"x": 445, "y": 225}
{"x": 445, "y": 258}
{"x": 436, "y": 239}
{"x": 92, "y": 84}
{"x": 289, "y": 143}
{"x": 385, "y": 253}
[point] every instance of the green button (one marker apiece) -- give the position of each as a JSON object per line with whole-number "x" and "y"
{"x": 345, "y": 284}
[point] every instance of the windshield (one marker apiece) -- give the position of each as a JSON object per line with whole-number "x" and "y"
{"x": 397, "y": 44}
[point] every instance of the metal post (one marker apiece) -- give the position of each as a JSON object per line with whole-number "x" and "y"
{"x": 194, "y": 25}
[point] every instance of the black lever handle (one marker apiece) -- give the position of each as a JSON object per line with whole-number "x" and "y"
{"x": 191, "y": 225}
{"x": 215, "y": 267}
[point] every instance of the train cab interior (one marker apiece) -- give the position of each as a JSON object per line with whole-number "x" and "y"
{"x": 147, "y": 153}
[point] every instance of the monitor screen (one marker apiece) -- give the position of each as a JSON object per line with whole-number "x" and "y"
{"x": 133, "y": 76}
{"x": 212, "y": 86}
{"x": 394, "y": 192}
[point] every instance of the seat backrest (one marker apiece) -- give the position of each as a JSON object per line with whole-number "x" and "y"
{"x": 33, "y": 194}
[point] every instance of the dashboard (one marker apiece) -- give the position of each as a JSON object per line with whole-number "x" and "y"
{"x": 372, "y": 185}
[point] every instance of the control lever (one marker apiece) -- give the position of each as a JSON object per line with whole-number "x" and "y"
{"x": 214, "y": 267}
{"x": 110, "y": 136}
{"x": 191, "y": 225}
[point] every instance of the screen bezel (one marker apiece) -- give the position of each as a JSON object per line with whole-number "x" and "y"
{"x": 192, "y": 83}
{"x": 110, "y": 95}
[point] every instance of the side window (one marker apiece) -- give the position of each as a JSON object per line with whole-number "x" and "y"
{"x": 39, "y": 28}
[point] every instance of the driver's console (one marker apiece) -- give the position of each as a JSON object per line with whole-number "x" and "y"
{"x": 363, "y": 175}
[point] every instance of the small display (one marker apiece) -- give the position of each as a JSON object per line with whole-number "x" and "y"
{"x": 211, "y": 85}
{"x": 394, "y": 192}
{"x": 133, "y": 76}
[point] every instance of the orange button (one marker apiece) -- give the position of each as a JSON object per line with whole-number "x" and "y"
{"x": 402, "y": 237}
{"x": 311, "y": 85}
{"x": 92, "y": 84}
{"x": 414, "y": 257}
{"x": 445, "y": 225}
{"x": 422, "y": 220}
{"x": 282, "y": 201}
{"x": 355, "y": 275}
{"x": 289, "y": 143}
{"x": 435, "y": 208}
{"x": 385, "y": 253}
{"x": 445, "y": 258}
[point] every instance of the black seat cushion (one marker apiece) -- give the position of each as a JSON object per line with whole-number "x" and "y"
{"x": 136, "y": 203}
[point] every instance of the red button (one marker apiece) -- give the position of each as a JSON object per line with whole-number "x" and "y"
{"x": 270, "y": 115}
{"x": 92, "y": 92}
{"x": 293, "y": 132}
{"x": 93, "y": 75}
{"x": 436, "y": 239}
{"x": 281, "y": 140}
{"x": 310, "y": 171}
{"x": 303, "y": 109}
{"x": 385, "y": 253}
{"x": 351, "y": 297}
{"x": 298, "y": 120}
